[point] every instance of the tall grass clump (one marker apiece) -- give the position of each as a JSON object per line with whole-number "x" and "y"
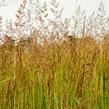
{"x": 50, "y": 69}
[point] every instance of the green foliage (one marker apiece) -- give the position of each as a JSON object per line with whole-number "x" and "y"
{"x": 69, "y": 75}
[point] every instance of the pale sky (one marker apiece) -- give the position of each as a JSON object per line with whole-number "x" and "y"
{"x": 9, "y": 10}
{"x": 69, "y": 7}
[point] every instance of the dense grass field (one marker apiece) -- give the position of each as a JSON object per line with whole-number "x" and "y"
{"x": 73, "y": 74}
{"x": 43, "y": 67}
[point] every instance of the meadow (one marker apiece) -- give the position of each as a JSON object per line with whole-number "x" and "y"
{"x": 73, "y": 74}
{"x": 50, "y": 69}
